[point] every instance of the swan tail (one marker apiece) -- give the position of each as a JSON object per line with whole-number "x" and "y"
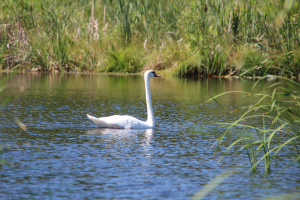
{"x": 100, "y": 123}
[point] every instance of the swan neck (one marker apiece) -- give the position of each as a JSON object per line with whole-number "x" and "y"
{"x": 150, "y": 118}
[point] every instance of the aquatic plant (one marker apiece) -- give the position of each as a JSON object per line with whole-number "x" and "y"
{"x": 268, "y": 126}
{"x": 210, "y": 186}
{"x": 230, "y": 38}
{"x": 218, "y": 180}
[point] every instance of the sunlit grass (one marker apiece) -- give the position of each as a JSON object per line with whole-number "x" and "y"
{"x": 278, "y": 115}
{"x": 218, "y": 180}
{"x": 210, "y": 186}
{"x": 187, "y": 37}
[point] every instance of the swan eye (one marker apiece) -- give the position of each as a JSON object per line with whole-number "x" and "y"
{"x": 154, "y": 74}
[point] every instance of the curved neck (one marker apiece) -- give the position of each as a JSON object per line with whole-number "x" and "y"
{"x": 150, "y": 118}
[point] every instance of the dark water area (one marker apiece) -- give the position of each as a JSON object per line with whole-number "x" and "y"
{"x": 62, "y": 155}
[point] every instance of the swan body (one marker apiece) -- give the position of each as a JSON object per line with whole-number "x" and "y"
{"x": 120, "y": 121}
{"x": 125, "y": 121}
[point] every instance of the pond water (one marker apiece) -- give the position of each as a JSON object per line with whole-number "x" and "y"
{"x": 62, "y": 155}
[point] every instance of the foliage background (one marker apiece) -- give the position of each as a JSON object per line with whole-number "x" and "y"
{"x": 193, "y": 37}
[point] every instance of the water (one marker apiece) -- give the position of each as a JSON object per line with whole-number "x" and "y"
{"x": 62, "y": 155}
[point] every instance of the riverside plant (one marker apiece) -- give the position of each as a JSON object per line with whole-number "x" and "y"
{"x": 219, "y": 179}
{"x": 278, "y": 115}
{"x": 186, "y": 37}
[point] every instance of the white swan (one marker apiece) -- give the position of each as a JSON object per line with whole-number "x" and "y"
{"x": 125, "y": 121}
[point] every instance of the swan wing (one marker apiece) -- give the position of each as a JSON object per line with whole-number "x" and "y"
{"x": 102, "y": 123}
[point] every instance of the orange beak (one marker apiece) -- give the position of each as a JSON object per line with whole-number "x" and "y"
{"x": 156, "y": 75}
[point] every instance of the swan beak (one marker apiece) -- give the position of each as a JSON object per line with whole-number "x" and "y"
{"x": 156, "y": 75}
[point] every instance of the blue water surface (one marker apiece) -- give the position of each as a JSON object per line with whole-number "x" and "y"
{"x": 62, "y": 155}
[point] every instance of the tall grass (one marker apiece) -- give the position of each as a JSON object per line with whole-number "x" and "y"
{"x": 269, "y": 126}
{"x": 210, "y": 186}
{"x": 218, "y": 180}
{"x": 188, "y": 37}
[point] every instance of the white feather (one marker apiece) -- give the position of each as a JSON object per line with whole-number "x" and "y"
{"x": 125, "y": 121}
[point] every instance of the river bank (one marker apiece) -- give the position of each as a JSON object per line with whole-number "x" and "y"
{"x": 191, "y": 38}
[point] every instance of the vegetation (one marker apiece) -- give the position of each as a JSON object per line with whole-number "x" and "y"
{"x": 194, "y": 37}
{"x": 210, "y": 186}
{"x": 218, "y": 180}
{"x": 269, "y": 126}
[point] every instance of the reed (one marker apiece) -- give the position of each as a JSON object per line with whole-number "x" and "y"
{"x": 231, "y": 38}
{"x": 269, "y": 126}
{"x": 123, "y": 60}
{"x": 218, "y": 180}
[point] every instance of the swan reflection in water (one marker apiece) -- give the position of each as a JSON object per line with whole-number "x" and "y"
{"x": 124, "y": 137}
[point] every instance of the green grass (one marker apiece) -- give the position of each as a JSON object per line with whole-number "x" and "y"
{"x": 218, "y": 180}
{"x": 268, "y": 126}
{"x": 210, "y": 186}
{"x": 123, "y": 60}
{"x": 186, "y": 37}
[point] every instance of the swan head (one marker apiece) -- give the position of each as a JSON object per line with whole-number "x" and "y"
{"x": 150, "y": 74}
